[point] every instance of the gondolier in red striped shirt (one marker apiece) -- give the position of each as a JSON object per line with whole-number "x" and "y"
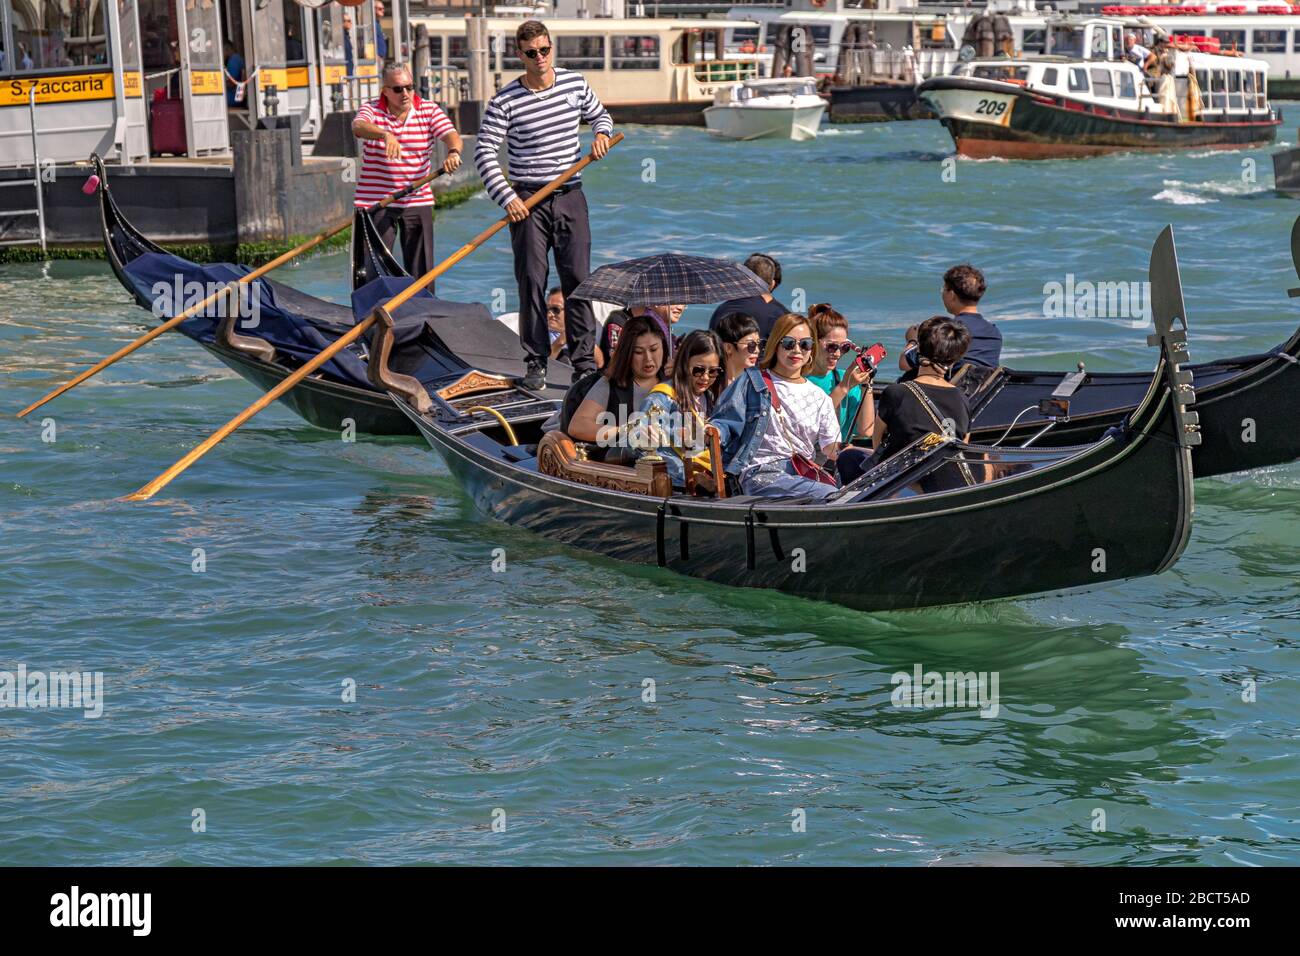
{"x": 399, "y": 131}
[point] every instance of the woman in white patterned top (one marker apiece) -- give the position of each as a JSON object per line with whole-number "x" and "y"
{"x": 775, "y": 423}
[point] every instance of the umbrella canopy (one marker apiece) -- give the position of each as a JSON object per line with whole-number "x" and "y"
{"x": 670, "y": 279}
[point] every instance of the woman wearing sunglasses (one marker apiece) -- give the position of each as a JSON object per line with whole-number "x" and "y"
{"x": 775, "y": 423}
{"x": 682, "y": 405}
{"x": 845, "y": 389}
{"x": 740, "y": 344}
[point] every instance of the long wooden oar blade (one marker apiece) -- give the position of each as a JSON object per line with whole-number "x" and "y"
{"x": 153, "y": 487}
{"x": 243, "y": 280}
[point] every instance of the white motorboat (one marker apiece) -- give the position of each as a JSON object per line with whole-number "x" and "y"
{"x": 767, "y": 109}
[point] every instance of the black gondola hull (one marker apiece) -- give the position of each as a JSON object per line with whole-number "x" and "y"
{"x": 1118, "y": 510}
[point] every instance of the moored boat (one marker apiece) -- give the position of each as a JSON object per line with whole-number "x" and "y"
{"x": 1084, "y": 98}
{"x": 767, "y": 109}
{"x": 1037, "y": 520}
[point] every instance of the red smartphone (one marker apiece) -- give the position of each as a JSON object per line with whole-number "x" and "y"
{"x": 869, "y": 359}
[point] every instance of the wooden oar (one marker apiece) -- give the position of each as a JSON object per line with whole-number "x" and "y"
{"x": 225, "y": 290}
{"x": 153, "y": 487}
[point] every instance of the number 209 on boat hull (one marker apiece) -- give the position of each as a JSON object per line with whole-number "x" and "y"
{"x": 978, "y": 106}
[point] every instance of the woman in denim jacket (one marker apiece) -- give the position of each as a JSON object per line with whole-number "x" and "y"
{"x": 757, "y": 440}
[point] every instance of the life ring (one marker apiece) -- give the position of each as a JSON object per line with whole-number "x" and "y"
{"x": 819, "y": 3}
{"x": 749, "y": 47}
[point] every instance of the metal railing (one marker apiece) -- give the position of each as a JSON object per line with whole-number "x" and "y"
{"x": 862, "y": 67}
{"x": 35, "y": 181}
{"x": 725, "y": 71}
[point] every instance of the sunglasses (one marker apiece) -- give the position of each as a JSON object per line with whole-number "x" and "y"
{"x": 836, "y": 348}
{"x": 750, "y": 347}
{"x": 790, "y": 343}
{"x": 554, "y": 309}
{"x": 705, "y": 371}
{"x": 408, "y": 88}
{"x": 540, "y": 51}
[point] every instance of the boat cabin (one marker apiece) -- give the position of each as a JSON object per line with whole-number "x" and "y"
{"x": 752, "y": 91}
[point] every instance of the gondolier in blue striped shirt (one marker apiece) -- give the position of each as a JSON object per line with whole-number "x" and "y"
{"x": 537, "y": 116}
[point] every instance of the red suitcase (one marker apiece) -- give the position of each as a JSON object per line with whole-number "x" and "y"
{"x": 167, "y": 127}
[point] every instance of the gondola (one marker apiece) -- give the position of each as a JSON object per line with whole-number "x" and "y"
{"x": 1046, "y": 520}
{"x": 1246, "y": 403}
{"x": 293, "y": 326}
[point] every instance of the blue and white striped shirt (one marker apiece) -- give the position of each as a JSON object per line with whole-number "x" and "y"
{"x": 540, "y": 130}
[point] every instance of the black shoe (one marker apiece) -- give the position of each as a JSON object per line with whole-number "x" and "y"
{"x": 535, "y": 379}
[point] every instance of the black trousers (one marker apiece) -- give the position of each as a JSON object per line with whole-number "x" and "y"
{"x": 415, "y": 226}
{"x": 559, "y": 224}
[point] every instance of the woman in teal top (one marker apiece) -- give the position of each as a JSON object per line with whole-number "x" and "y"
{"x": 857, "y": 418}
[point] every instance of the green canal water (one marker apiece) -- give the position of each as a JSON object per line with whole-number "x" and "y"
{"x": 570, "y": 709}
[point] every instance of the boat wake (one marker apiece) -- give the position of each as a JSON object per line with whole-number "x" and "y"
{"x": 1196, "y": 194}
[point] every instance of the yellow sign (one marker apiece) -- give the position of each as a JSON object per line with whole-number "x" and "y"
{"x": 205, "y": 82}
{"x": 297, "y": 76}
{"x": 272, "y": 77}
{"x": 367, "y": 69}
{"x": 132, "y": 84}
{"x": 58, "y": 89}
{"x": 335, "y": 74}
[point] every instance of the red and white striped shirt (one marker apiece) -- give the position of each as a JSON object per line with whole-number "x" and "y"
{"x": 424, "y": 125}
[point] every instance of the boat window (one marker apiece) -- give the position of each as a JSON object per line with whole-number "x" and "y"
{"x": 1100, "y": 46}
{"x": 1261, "y": 90}
{"x": 1002, "y": 72}
{"x": 1116, "y": 43}
{"x": 1234, "y": 90}
{"x": 1049, "y": 76}
{"x": 1066, "y": 41}
{"x": 1101, "y": 85}
{"x": 59, "y": 35}
{"x": 634, "y": 52}
{"x": 1078, "y": 79}
{"x": 1203, "y": 81}
{"x": 741, "y": 35}
{"x": 1035, "y": 41}
{"x": 1295, "y": 45}
{"x": 1231, "y": 39}
{"x": 1219, "y": 83}
{"x": 1127, "y": 88}
{"x": 1248, "y": 86}
{"x": 580, "y": 52}
{"x": 294, "y": 54}
{"x": 458, "y": 52}
{"x": 1268, "y": 41}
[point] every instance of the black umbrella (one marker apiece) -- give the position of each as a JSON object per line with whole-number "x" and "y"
{"x": 670, "y": 279}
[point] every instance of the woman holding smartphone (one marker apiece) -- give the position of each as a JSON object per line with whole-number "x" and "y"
{"x": 856, "y": 417}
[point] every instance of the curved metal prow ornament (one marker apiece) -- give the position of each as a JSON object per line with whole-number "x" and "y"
{"x": 1168, "y": 310}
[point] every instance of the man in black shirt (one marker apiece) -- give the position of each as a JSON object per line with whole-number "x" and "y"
{"x": 763, "y": 309}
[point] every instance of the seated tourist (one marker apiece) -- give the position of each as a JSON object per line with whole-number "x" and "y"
{"x": 764, "y": 309}
{"x": 614, "y": 395}
{"x": 665, "y": 315}
{"x": 963, "y": 287}
{"x": 681, "y": 406}
{"x": 846, "y": 389}
{"x": 928, "y": 404}
{"x": 774, "y": 423}
{"x": 740, "y": 344}
{"x": 555, "y": 324}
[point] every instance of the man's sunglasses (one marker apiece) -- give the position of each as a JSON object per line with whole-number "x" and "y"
{"x": 789, "y": 343}
{"x": 554, "y": 309}
{"x": 540, "y": 51}
{"x": 705, "y": 371}
{"x": 408, "y": 88}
